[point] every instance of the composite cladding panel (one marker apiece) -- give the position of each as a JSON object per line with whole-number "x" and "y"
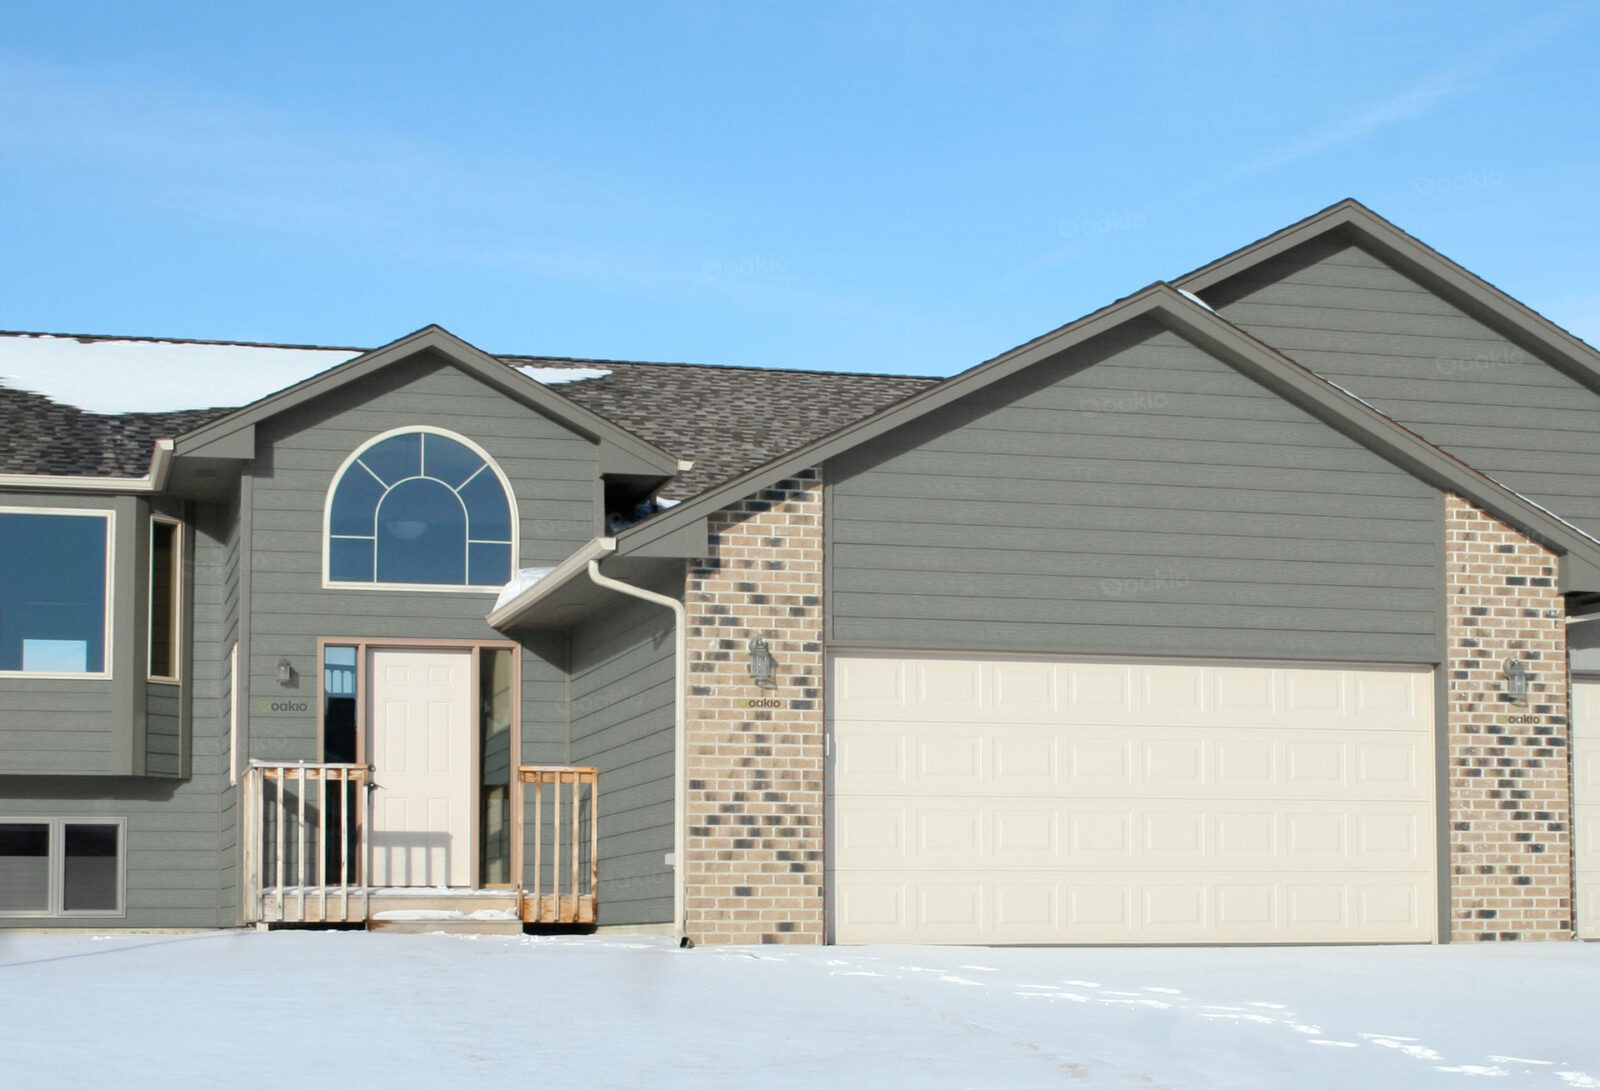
{"x": 1346, "y": 314}
{"x": 553, "y": 474}
{"x": 622, "y": 723}
{"x": 180, "y": 860}
{"x": 1134, "y": 496}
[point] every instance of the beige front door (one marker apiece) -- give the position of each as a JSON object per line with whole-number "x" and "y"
{"x": 1586, "y": 804}
{"x": 421, "y": 752}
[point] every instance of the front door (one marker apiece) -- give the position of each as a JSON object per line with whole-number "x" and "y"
{"x": 421, "y": 746}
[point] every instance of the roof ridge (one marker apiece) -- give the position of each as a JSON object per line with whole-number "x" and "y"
{"x": 520, "y": 359}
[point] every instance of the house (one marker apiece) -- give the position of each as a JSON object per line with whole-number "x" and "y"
{"x": 1258, "y": 606}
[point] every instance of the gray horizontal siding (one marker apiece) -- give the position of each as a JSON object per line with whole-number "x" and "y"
{"x": 1137, "y": 497}
{"x": 163, "y": 740}
{"x": 64, "y": 726}
{"x": 1346, "y": 314}
{"x": 553, "y": 474}
{"x": 177, "y": 866}
{"x": 622, "y": 723}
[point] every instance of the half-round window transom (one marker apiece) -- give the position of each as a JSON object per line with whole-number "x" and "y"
{"x": 419, "y": 508}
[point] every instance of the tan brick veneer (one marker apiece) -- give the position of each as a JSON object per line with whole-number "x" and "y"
{"x": 755, "y": 805}
{"x": 1510, "y": 803}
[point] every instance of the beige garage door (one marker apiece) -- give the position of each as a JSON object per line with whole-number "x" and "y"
{"x": 1586, "y": 804}
{"x": 1003, "y": 801}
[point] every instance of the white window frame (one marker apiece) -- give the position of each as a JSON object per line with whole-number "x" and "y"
{"x": 329, "y": 583}
{"x": 176, "y": 677}
{"x": 56, "y": 869}
{"x": 110, "y": 518}
{"x": 233, "y": 715}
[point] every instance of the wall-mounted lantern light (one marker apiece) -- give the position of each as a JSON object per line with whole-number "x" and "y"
{"x": 285, "y": 672}
{"x": 763, "y": 667}
{"x": 1517, "y": 678}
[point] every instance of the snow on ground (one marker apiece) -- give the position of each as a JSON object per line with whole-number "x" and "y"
{"x": 352, "y": 1009}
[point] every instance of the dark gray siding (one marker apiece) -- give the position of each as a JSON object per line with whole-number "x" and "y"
{"x": 553, "y": 473}
{"x": 176, "y": 862}
{"x": 215, "y": 628}
{"x": 72, "y": 726}
{"x": 1138, "y": 497}
{"x": 622, "y": 723}
{"x": 163, "y": 739}
{"x": 1348, "y": 316}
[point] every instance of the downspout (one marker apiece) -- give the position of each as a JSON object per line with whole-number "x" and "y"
{"x": 680, "y": 732}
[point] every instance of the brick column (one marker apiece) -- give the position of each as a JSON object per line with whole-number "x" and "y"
{"x": 755, "y": 758}
{"x": 1509, "y": 773}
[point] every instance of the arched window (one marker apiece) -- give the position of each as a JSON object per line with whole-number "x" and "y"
{"x": 421, "y": 507}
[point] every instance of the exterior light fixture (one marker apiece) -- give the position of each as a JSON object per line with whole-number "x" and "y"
{"x": 762, "y": 665}
{"x": 1517, "y": 678}
{"x": 285, "y": 672}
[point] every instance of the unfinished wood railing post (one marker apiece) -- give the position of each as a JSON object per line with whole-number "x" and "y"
{"x": 566, "y": 900}
{"x": 271, "y": 896}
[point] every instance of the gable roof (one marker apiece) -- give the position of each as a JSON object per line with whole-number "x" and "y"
{"x": 1415, "y": 258}
{"x": 638, "y": 456}
{"x": 725, "y": 419}
{"x": 1198, "y": 323}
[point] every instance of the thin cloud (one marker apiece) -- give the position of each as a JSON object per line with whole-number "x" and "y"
{"x": 1420, "y": 98}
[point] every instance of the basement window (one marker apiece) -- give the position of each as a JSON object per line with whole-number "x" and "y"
{"x": 62, "y": 867}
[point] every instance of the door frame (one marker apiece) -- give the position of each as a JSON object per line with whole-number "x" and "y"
{"x": 364, "y": 645}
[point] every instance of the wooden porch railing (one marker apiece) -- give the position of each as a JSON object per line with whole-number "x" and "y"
{"x": 305, "y": 855}
{"x": 564, "y": 888}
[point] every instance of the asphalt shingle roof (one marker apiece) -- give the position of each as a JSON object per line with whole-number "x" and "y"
{"x": 725, "y": 419}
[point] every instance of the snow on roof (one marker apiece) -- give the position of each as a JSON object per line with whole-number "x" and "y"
{"x": 554, "y": 376}
{"x": 525, "y": 578}
{"x": 112, "y": 376}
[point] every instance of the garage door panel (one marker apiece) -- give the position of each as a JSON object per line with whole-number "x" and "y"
{"x": 1586, "y": 805}
{"x": 1012, "y": 801}
{"x": 1140, "y": 907}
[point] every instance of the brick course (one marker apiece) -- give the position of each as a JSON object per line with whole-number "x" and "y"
{"x": 1508, "y": 765}
{"x": 755, "y": 758}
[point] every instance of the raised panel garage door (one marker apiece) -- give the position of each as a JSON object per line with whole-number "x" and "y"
{"x": 1586, "y": 804}
{"x": 1006, "y": 801}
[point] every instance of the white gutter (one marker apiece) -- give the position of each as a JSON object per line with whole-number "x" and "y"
{"x": 680, "y": 732}
{"x": 559, "y": 576}
{"x": 154, "y": 481}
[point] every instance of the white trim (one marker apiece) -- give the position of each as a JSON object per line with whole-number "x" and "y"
{"x": 233, "y": 715}
{"x": 559, "y": 576}
{"x": 55, "y": 869}
{"x": 680, "y": 734}
{"x": 110, "y": 517}
{"x": 328, "y": 583}
{"x": 176, "y": 637}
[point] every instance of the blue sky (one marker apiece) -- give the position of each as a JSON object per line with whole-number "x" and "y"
{"x": 902, "y": 187}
